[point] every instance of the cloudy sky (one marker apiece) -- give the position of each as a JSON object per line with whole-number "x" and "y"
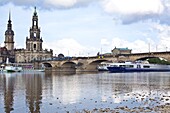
{"x": 85, "y": 27}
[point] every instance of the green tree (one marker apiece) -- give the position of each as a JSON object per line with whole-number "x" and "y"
{"x": 158, "y": 61}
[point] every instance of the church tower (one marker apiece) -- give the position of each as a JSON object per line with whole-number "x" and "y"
{"x": 9, "y": 35}
{"x": 34, "y": 43}
{"x": 34, "y": 51}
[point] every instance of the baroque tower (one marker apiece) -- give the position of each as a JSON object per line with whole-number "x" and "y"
{"x": 34, "y": 43}
{"x": 9, "y": 35}
{"x": 34, "y": 50}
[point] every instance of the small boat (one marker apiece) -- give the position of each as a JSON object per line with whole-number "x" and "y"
{"x": 103, "y": 66}
{"x": 39, "y": 70}
{"x": 137, "y": 67}
{"x": 11, "y": 68}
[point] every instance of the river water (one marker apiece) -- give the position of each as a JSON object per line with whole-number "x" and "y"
{"x": 39, "y": 92}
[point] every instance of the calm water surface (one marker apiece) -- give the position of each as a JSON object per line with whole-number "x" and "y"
{"x": 31, "y": 92}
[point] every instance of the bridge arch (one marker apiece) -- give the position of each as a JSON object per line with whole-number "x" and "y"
{"x": 47, "y": 64}
{"x": 92, "y": 66}
{"x": 98, "y": 61}
{"x": 145, "y": 58}
{"x": 69, "y": 64}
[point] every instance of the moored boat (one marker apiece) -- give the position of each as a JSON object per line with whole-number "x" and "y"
{"x": 103, "y": 66}
{"x": 31, "y": 68}
{"x": 39, "y": 70}
{"x": 11, "y": 68}
{"x": 137, "y": 67}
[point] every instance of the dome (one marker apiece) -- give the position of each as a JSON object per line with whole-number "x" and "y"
{"x": 9, "y": 32}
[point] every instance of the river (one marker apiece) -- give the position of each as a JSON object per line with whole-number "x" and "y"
{"x": 51, "y": 92}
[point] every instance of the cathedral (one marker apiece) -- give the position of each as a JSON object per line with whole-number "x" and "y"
{"x": 33, "y": 51}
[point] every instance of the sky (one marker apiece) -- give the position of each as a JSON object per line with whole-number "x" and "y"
{"x": 86, "y": 27}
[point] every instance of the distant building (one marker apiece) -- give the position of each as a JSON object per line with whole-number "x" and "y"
{"x": 3, "y": 54}
{"x": 117, "y": 51}
{"x": 34, "y": 50}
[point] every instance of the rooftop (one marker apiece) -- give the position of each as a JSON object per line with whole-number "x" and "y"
{"x": 122, "y": 48}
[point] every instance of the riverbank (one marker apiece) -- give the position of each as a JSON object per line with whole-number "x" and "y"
{"x": 160, "y": 109}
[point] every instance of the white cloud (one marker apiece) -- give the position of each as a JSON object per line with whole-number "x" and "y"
{"x": 105, "y": 41}
{"x": 126, "y": 11}
{"x": 2, "y": 45}
{"x": 137, "y": 46}
{"x": 67, "y": 3}
{"x": 16, "y": 45}
{"x": 163, "y": 36}
{"x": 129, "y": 7}
{"x": 64, "y": 3}
{"x": 70, "y": 47}
{"x": 130, "y": 11}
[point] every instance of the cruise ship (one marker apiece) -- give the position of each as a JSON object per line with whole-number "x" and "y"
{"x": 137, "y": 67}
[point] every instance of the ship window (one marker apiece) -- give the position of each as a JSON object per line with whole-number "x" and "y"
{"x": 122, "y": 65}
{"x": 129, "y": 66}
{"x": 138, "y": 66}
{"x": 146, "y": 66}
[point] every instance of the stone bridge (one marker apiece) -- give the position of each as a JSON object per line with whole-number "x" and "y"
{"x": 90, "y": 63}
{"x": 143, "y": 56}
{"x": 77, "y": 64}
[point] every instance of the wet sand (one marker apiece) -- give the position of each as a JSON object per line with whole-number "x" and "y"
{"x": 160, "y": 109}
{"x": 153, "y": 102}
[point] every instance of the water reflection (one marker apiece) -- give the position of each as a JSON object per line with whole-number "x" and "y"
{"x": 60, "y": 92}
{"x": 8, "y": 90}
{"x": 33, "y": 88}
{"x": 12, "y": 88}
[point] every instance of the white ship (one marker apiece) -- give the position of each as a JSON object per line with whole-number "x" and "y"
{"x": 137, "y": 67}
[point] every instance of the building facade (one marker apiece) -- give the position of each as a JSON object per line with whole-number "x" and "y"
{"x": 4, "y": 54}
{"x": 117, "y": 51}
{"x": 34, "y": 50}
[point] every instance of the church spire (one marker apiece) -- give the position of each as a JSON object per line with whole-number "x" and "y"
{"x": 35, "y": 12}
{"x": 9, "y": 15}
{"x": 35, "y": 19}
{"x": 34, "y": 42}
{"x": 9, "y": 35}
{"x": 9, "y": 22}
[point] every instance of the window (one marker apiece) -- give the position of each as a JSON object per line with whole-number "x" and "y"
{"x": 146, "y": 66}
{"x": 34, "y": 46}
{"x": 122, "y": 65}
{"x": 34, "y": 34}
{"x": 129, "y": 66}
{"x": 138, "y": 66}
{"x": 34, "y": 22}
{"x": 114, "y": 65}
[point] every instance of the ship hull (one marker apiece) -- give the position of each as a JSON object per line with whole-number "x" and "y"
{"x": 121, "y": 69}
